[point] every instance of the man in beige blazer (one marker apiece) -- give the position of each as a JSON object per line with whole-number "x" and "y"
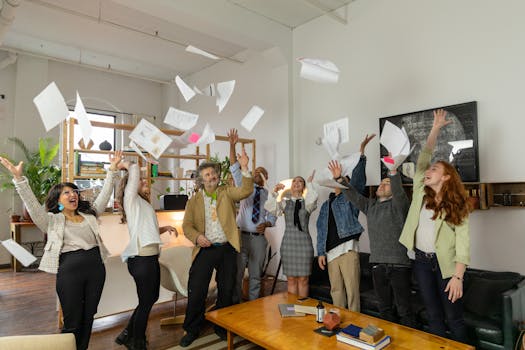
{"x": 209, "y": 222}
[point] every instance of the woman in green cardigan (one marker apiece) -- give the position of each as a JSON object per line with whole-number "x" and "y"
{"x": 437, "y": 230}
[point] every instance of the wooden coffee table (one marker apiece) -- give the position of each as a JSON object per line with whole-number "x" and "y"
{"x": 260, "y": 322}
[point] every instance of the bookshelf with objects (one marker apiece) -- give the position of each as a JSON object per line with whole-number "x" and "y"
{"x": 74, "y": 168}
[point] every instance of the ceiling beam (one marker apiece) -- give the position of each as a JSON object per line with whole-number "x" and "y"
{"x": 328, "y": 11}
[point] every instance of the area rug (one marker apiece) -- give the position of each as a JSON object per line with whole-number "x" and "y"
{"x": 213, "y": 342}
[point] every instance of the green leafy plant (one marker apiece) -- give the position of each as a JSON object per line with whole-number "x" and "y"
{"x": 225, "y": 175}
{"x": 39, "y": 169}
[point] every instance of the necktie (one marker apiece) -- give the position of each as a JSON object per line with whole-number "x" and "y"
{"x": 296, "y": 209}
{"x": 256, "y": 205}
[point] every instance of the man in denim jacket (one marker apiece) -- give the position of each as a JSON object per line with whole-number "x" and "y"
{"x": 338, "y": 232}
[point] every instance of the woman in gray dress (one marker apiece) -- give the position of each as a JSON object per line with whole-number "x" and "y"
{"x": 297, "y": 250}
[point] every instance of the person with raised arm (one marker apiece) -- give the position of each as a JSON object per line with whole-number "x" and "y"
{"x": 297, "y": 251}
{"x": 252, "y": 220}
{"x": 338, "y": 232}
{"x": 385, "y": 217}
{"x": 142, "y": 252}
{"x": 209, "y": 222}
{"x": 437, "y": 229}
{"x": 74, "y": 249}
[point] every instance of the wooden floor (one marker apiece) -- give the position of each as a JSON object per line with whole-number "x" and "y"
{"x": 28, "y": 304}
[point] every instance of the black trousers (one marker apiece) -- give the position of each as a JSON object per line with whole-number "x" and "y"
{"x": 438, "y": 307}
{"x": 392, "y": 287}
{"x": 224, "y": 260}
{"x": 146, "y": 273}
{"x": 80, "y": 280}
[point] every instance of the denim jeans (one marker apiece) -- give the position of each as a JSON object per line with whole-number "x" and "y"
{"x": 439, "y": 308}
{"x": 392, "y": 287}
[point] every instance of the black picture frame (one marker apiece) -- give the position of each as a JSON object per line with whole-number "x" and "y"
{"x": 464, "y": 126}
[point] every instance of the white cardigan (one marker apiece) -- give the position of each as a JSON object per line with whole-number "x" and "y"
{"x": 54, "y": 224}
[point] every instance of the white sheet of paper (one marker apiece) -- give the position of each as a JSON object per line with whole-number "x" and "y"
{"x": 19, "y": 252}
{"x": 330, "y": 183}
{"x": 198, "y": 51}
{"x": 395, "y": 139}
{"x": 224, "y": 92}
{"x": 149, "y": 137}
{"x": 321, "y": 71}
{"x": 51, "y": 106}
{"x": 252, "y": 117}
{"x": 348, "y": 163}
{"x": 83, "y": 121}
{"x": 180, "y": 119}
{"x": 331, "y": 143}
{"x": 207, "y": 136}
{"x": 184, "y": 89}
{"x": 341, "y": 125}
{"x": 207, "y": 91}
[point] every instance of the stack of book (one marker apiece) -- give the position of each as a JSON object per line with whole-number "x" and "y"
{"x": 91, "y": 169}
{"x": 369, "y": 338}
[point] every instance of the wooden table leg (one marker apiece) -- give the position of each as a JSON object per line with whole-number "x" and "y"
{"x": 16, "y": 236}
{"x": 229, "y": 339}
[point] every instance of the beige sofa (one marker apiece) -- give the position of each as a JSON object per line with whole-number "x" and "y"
{"x": 63, "y": 341}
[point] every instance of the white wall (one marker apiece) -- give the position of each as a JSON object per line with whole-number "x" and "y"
{"x": 408, "y": 55}
{"x": 262, "y": 80}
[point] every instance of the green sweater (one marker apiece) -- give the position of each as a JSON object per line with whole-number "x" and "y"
{"x": 452, "y": 241}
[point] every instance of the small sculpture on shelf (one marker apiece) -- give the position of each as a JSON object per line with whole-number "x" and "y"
{"x": 83, "y": 146}
{"x": 105, "y": 146}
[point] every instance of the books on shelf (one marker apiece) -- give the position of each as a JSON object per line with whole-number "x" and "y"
{"x": 350, "y": 335}
{"x": 88, "y": 168}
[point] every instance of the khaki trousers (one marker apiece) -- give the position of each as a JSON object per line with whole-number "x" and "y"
{"x": 343, "y": 272}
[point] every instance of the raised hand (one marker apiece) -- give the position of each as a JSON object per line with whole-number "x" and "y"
{"x": 124, "y": 164}
{"x": 114, "y": 159}
{"x": 233, "y": 137}
{"x": 335, "y": 168}
{"x": 278, "y": 187}
{"x": 311, "y": 177}
{"x": 16, "y": 171}
{"x": 439, "y": 118}
{"x": 365, "y": 142}
{"x": 243, "y": 159}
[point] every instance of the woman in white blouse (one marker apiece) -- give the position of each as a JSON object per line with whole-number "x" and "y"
{"x": 74, "y": 249}
{"x": 297, "y": 251}
{"x": 142, "y": 252}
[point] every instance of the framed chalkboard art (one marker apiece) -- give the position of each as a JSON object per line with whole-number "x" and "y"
{"x": 457, "y": 142}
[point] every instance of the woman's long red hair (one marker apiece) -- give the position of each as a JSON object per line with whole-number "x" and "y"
{"x": 454, "y": 203}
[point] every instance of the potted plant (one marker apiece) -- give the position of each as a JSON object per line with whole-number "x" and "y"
{"x": 39, "y": 169}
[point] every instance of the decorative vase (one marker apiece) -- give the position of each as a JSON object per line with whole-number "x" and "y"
{"x": 105, "y": 146}
{"x": 15, "y": 218}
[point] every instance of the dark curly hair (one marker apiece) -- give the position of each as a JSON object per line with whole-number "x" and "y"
{"x": 84, "y": 207}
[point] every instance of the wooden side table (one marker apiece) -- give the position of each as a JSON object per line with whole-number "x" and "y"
{"x": 16, "y": 235}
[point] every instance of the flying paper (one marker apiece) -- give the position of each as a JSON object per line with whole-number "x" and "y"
{"x": 194, "y": 137}
{"x": 207, "y": 91}
{"x": 180, "y": 119}
{"x": 149, "y": 137}
{"x": 198, "y": 51}
{"x": 83, "y": 121}
{"x": 321, "y": 71}
{"x": 184, "y": 89}
{"x": 224, "y": 92}
{"x": 330, "y": 183}
{"x": 252, "y": 117}
{"x": 182, "y": 141}
{"x": 207, "y": 136}
{"x": 331, "y": 143}
{"x": 396, "y": 141}
{"x": 51, "y": 106}
{"x": 19, "y": 252}
{"x": 341, "y": 125}
{"x": 348, "y": 163}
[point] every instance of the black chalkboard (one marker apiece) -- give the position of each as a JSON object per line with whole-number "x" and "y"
{"x": 464, "y": 126}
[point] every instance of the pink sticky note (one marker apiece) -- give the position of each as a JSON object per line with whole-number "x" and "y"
{"x": 194, "y": 137}
{"x": 388, "y": 160}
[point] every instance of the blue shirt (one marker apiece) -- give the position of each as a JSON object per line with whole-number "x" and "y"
{"x": 244, "y": 218}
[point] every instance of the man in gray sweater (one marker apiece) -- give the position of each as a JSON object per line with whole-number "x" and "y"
{"x": 391, "y": 271}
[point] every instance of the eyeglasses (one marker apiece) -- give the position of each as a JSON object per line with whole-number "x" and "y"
{"x": 69, "y": 193}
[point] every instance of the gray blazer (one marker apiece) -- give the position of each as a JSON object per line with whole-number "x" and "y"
{"x": 54, "y": 224}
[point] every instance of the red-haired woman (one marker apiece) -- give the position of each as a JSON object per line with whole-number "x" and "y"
{"x": 437, "y": 229}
